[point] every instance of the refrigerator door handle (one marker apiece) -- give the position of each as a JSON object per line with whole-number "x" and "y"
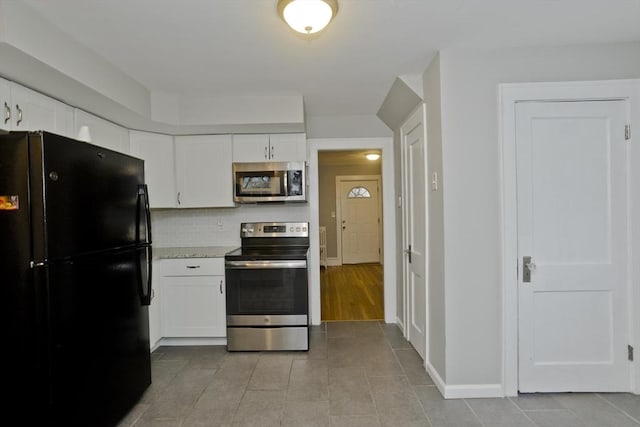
{"x": 143, "y": 192}
{"x": 144, "y": 280}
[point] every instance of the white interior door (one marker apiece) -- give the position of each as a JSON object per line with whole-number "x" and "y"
{"x": 415, "y": 228}
{"x": 572, "y": 222}
{"x": 360, "y": 221}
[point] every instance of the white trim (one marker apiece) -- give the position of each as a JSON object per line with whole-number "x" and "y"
{"x": 437, "y": 379}
{"x": 388, "y": 213}
{"x": 463, "y": 391}
{"x": 346, "y": 178}
{"x": 508, "y": 95}
{"x": 333, "y": 261}
{"x": 190, "y": 341}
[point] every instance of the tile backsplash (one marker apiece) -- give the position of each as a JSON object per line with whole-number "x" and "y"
{"x": 216, "y": 227}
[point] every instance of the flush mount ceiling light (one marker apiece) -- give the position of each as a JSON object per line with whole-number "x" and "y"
{"x": 307, "y": 16}
{"x": 372, "y": 156}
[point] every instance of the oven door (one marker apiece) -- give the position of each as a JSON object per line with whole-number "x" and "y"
{"x": 267, "y": 293}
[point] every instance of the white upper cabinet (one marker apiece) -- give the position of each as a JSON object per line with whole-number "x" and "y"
{"x": 102, "y": 133}
{"x": 269, "y": 148}
{"x": 203, "y": 171}
{"x": 5, "y": 104}
{"x": 33, "y": 111}
{"x": 288, "y": 147}
{"x": 251, "y": 148}
{"x": 159, "y": 172}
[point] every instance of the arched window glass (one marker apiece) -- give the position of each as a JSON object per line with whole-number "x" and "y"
{"x": 358, "y": 193}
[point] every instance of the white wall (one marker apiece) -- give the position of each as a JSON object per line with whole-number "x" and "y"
{"x": 472, "y": 185}
{"x": 216, "y": 227}
{"x": 355, "y": 126}
{"x": 436, "y": 283}
{"x": 32, "y": 34}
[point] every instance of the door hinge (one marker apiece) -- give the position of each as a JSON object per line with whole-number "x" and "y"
{"x": 630, "y": 351}
{"x": 627, "y": 132}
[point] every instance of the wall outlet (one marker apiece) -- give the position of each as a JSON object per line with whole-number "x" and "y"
{"x": 434, "y": 181}
{"x": 220, "y": 225}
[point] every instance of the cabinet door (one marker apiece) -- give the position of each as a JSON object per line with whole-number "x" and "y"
{"x": 251, "y": 148}
{"x": 34, "y": 111}
{"x": 203, "y": 170}
{"x": 102, "y": 132}
{"x": 159, "y": 171}
{"x": 5, "y": 104}
{"x": 287, "y": 147}
{"x": 220, "y": 308}
{"x": 191, "y": 306}
{"x": 155, "y": 318}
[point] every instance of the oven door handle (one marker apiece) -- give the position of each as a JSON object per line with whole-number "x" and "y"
{"x": 263, "y": 265}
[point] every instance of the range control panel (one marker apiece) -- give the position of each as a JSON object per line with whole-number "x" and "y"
{"x": 274, "y": 229}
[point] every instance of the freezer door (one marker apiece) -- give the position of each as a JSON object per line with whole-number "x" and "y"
{"x": 99, "y": 335}
{"x": 91, "y": 196}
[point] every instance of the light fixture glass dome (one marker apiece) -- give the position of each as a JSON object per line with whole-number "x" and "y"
{"x": 372, "y": 156}
{"x": 307, "y": 16}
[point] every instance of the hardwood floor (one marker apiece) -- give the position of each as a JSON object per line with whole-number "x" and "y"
{"x": 352, "y": 292}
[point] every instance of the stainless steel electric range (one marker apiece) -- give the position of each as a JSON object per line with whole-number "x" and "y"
{"x": 267, "y": 288}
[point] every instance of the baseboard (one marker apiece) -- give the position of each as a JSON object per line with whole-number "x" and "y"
{"x": 190, "y": 341}
{"x": 400, "y": 325}
{"x": 437, "y": 379}
{"x": 333, "y": 262}
{"x": 464, "y": 391}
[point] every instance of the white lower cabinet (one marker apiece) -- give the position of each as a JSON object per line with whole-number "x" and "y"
{"x": 193, "y": 300}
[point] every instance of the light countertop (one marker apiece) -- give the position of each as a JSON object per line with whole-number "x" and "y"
{"x": 192, "y": 252}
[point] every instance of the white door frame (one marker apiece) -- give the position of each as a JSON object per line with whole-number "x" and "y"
{"x": 388, "y": 212}
{"x": 345, "y": 178}
{"x": 508, "y": 96}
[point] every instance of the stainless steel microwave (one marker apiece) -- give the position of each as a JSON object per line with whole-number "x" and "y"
{"x": 269, "y": 182}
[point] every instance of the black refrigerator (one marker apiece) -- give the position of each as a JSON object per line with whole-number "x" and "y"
{"x": 75, "y": 280}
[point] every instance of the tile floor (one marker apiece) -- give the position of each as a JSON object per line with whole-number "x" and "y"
{"x": 356, "y": 374}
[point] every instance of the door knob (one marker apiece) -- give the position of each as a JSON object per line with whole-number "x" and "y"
{"x": 344, "y": 228}
{"x": 528, "y": 267}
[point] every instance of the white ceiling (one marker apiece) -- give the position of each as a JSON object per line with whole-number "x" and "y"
{"x": 241, "y": 47}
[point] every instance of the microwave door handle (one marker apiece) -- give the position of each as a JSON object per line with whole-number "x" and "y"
{"x": 286, "y": 183}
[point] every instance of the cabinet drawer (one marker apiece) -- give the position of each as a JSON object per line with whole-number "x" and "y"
{"x": 193, "y": 267}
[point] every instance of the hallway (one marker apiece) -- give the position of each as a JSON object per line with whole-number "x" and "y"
{"x": 352, "y": 292}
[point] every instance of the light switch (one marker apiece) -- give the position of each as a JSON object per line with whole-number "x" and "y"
{"x": 434, "y": 181}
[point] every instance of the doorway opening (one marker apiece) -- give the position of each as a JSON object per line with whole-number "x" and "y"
{"x": 350, "y": 215}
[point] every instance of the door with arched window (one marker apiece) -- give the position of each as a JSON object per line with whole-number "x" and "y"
{"x": 360, "y": 221}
